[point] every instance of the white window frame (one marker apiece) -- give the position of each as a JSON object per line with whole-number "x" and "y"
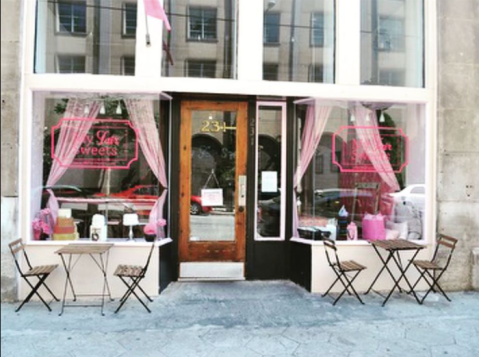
{"x": 281, "y": 105}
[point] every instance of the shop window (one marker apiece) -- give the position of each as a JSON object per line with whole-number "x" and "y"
{"x": 71, "y": 17}
{"x": 270, "y": 200}
{"x": 270, "y": 72}
{"x": 392, "y": 38}
{"x": 128, "y": 66}
{"x": 317, "y": 29}
{"x": 299, "y": 35}
{"x": 201, "y": 69}
{"x": 361, "y": 168}
{"x": 271, "y": 28}
{"x": 202, "y": 24}
{"x": 103, "y": 173}
{"x": 71, "y": 64}
{"x": 129, "y": 19}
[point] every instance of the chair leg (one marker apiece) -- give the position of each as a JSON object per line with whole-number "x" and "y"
{"x": 435, "y": 283}
{"x": 349, "y": 285}
{"x": 327, "y": 291}
{"x": 51, "y": 293}
{"x": 131, "y": 290}
{"x": 34, "y": 292}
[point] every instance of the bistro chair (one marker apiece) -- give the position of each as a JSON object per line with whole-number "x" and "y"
{"x": 131, "y": 276}
{"x": 40, "y": 272}
{"x": 432, "y": 270}
{"x": 346, "y": 271}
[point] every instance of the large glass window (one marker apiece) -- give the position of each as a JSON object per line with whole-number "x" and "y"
{"x": 369, "y": 164}
{"x": 203, "y": 35}
{"x": 392, "y": 42}
{"x": 102, "y": 32}
{"x": 87, "y": 157}
{"x": 300, "y": 35}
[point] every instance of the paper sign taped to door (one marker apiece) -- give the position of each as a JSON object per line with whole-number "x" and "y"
{"x": 212, "y": 197}
{"x": 269, "y": 181}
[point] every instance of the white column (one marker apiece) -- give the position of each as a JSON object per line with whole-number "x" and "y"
{"x": 250, "y": 40}
{"x": 148, "y": 56}
{"x": 348, "y": 42}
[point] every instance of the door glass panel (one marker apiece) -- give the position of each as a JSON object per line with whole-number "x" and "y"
{"x": 213, "y": 163}
{"x": 269, "y": 212}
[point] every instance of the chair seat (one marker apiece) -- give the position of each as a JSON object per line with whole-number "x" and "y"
{"x": 351, "y": 265}
{"x": 40, "y": 270}
{"x": 426, "y": 264}
{"x": 132, "y": 271}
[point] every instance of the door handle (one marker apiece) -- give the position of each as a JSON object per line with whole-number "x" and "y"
{"x": 242, "y": 192}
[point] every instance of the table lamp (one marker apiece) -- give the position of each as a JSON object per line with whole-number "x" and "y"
{"x": 130, "y": 219}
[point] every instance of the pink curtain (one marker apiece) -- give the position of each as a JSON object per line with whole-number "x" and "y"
{"x": 72, "y": 135}
{"x": 371, "y": 137}
{"x": 143, "y": 118}
{"x": 315, "y": 123}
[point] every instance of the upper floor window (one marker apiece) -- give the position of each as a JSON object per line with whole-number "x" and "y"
{"x": 129, "y": 19}
{"x": 271, "y": 27}
{"x": 390, "y": 34}
{"x": 202, "y": 24}
{"x": 316, "y": 73}
{"x": 317, "y": 29}
{"x": 71, "y": 64}
{"x": 72, "y": 17}
{"x": 270, "y": 71}
{"x": 128, "y": 66}
{"x": 201, "y": 69}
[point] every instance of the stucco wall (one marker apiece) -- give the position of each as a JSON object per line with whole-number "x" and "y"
{"x": 458, "y": 133}
{"x": 11, "y": 48}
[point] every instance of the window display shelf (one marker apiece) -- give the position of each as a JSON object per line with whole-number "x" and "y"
{"x": 118, "y": 242}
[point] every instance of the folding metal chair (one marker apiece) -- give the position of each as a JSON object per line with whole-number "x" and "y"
{"x": 131, "y": 276}
{"x": 342, "y": 269}
{"x": 41, "y": 272}
{"x": 425, "y": 267}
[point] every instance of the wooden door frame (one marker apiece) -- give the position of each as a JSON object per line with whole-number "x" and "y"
{"x": 194, "y": 251}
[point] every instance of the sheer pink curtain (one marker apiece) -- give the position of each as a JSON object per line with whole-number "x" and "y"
{"x": 316, "y": 119}
{"x": 143, "y": 118}
{"x": 371, "y": 137}
{"x": 72, "y": 135}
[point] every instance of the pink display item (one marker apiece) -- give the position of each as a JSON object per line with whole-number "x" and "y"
{"x": 352, "y": 231}
{"x": 96, "y": 143}
{"x": 153, "y": 8}
{"x": 374, "y": 227}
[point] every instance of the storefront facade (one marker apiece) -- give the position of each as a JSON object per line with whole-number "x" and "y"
{"x": 247, "y": 146}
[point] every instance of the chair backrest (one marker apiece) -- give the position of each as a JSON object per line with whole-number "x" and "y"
{"x": 330, "y": 248}
{"x": 15, "y": 247}
{"x": 449, "y": 243}
{"x": 145, "y": 268}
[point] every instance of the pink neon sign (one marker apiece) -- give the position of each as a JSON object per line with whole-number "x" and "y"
{"x": 108, "y": 144}
{"x": 358, "y": 154}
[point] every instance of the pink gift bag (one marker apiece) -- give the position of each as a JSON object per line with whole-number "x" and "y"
{"x": 374, "y": 227}
{"x": 352, "y": 231}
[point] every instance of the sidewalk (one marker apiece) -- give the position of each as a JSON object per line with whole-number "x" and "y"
{"x": 247, "y": 319}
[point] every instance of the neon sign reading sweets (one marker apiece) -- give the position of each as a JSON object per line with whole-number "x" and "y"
{"x": 370, "y": 149}
{"x": 103, "y": 144}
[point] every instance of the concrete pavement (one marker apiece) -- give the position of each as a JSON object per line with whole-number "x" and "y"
{"x": 247, "y": 319}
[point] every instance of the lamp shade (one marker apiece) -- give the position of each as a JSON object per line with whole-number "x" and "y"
{"x": 130, "y": 219}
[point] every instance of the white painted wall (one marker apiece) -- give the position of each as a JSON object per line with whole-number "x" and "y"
{"x": 86, "y": 276}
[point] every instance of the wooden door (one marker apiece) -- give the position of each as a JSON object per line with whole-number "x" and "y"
{"x": 213, "y": 144}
